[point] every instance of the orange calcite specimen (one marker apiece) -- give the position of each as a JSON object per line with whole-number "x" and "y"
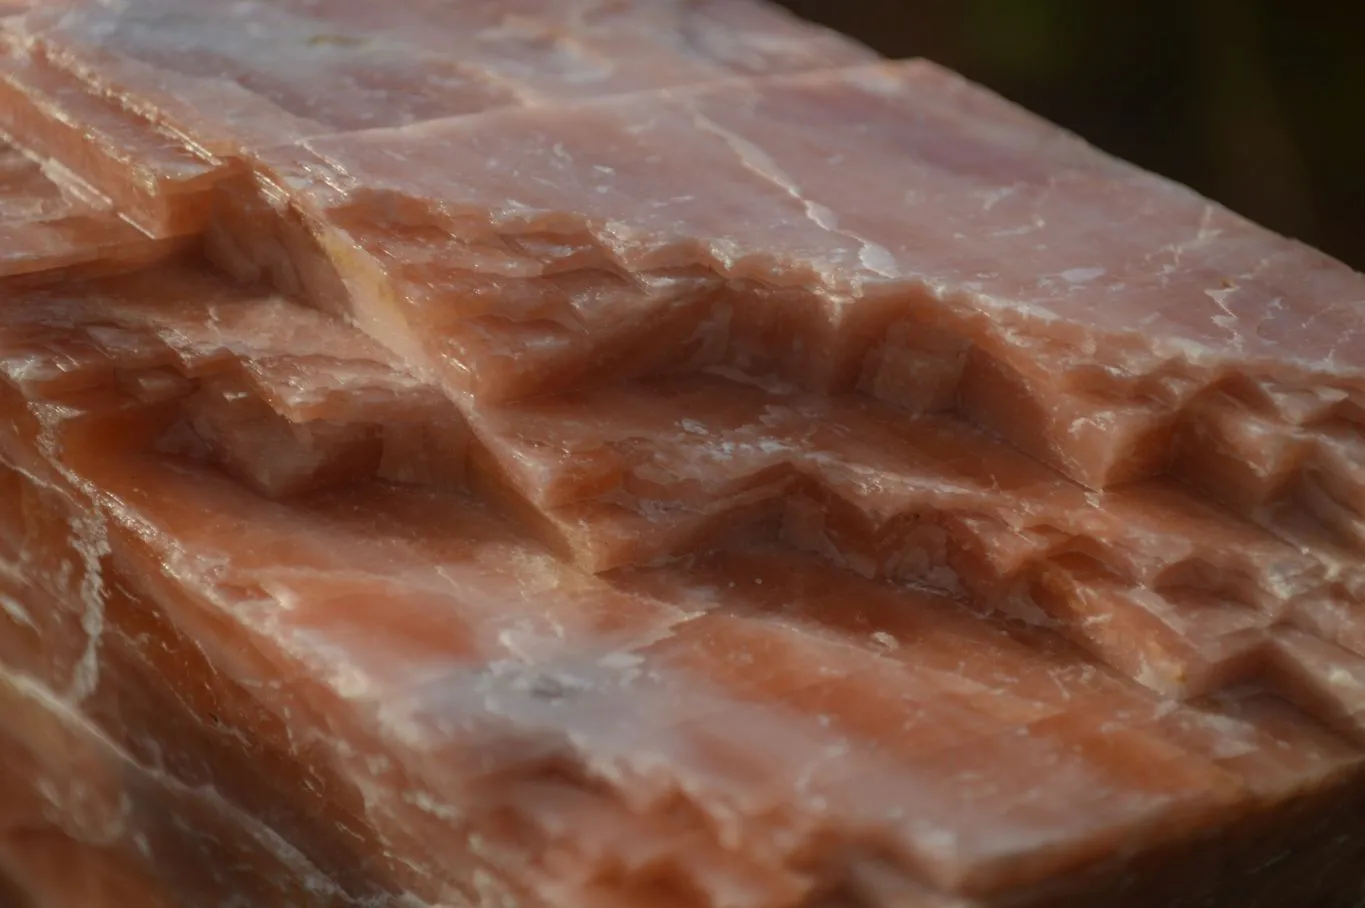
{"x": 1086, "y": 311}
{"x": 50, "y": 222}
{"x": 83, "y": 825}
{"x": 571, "y": 478}
{"x": 154, "y": 101}
{"x": 1166, "y": 588}
{"x": 284, "y": 398}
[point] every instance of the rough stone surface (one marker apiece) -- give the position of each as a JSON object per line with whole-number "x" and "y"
{"x": 154, "y": 101}
{"x": 572, "y": 478}
{"x": 1096, "y": 316}
{"x": 51, "y": 221}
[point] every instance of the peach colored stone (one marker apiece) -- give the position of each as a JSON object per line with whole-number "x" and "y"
{"x": 1092, "y": 314}
{"x": 410, "y": 667}
{"x": 50, "y": 221}
{"x": 153, "y": 101}
{"x": 590, "y": 486}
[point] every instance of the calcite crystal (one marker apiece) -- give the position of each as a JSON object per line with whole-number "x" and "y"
{"x": 155, "y": 101}
{"x": 51, "y": 220}
{"x": 525, "y": 454}
{"x": 1067, "y": 301}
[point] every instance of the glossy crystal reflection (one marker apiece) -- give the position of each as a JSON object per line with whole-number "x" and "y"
{"x": 607, "y": 455}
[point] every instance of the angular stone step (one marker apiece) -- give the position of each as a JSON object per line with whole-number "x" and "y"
{"x": 287, "y": 398}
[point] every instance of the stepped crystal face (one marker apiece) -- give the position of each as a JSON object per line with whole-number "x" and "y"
{"x": 589, "y": 454}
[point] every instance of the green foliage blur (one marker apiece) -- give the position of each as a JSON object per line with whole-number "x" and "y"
{"x": 1259, "y": 104}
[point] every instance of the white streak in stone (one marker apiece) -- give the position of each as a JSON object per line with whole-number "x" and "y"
{"x": 874, "y": 257}
{"x": 16, "y": 611}
{"x": 1082, "y": 275}
{"x": 425, "y": 803}
{"x": 92, "y": 546}
{"x": 1228, "y": 321}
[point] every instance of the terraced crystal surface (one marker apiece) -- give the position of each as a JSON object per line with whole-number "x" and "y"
{"x": 644, "y": 454}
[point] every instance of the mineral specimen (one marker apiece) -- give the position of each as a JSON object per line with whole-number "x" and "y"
{"x": 154, "y": 101}
{"x": 51, "y": 221}
{"x": 645, "y": 454}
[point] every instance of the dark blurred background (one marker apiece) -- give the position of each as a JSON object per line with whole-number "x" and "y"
{"x": 1259, "y": 104}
